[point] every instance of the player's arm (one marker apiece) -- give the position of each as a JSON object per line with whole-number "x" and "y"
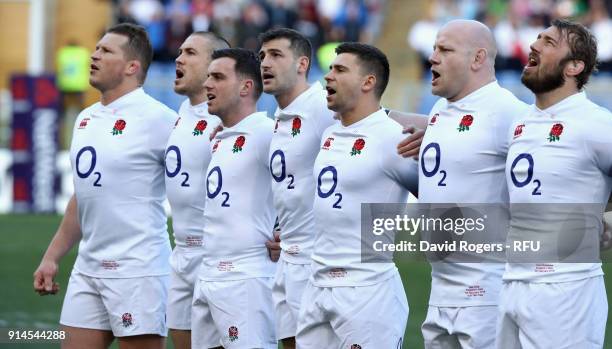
{"x": 67, "y": 235}
{"x": 415, "y": 124}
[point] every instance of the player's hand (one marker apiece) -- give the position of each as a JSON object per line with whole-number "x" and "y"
{"x": 219, "y": 128}
{"x": 410, "y": 146}
{"x": 605, "y": 242}
{"x": 274, "y": 249}
{"x": 44, "y": 276}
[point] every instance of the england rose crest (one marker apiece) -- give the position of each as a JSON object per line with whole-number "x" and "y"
{"x": 126, "y": 319}
{"x": 465, "y": 123}
{"x": 238, "y": 144}
{"x": 555, "y": 132}
{"x": 232, "y": 333}
{"x": 118, "y": 128}
{"x": 199, "y": 128}
{"x": 296, "y": 126}
{"x": 358, "y": 146}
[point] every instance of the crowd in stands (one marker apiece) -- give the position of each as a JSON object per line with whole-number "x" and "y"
{"x": 168, "y": 22}
{"x": 516, "y": 24}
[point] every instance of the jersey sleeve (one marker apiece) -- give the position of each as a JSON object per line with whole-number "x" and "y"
{"x": 323, "y": 121}
{"x": 160, "y": 128}
{"x": 402, "y": 170}
{"x": 600, "y": 142}
{"x": 505, "y": 122}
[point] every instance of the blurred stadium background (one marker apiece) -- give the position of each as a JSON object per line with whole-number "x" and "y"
{"x": 44, "y": 65}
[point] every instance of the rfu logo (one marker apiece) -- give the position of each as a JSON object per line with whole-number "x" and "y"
{"x": 518, "y": 131}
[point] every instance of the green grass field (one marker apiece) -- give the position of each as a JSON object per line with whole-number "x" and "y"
{"x": 24, "y": 238}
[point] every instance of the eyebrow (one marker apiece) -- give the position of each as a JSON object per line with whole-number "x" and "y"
{"x": 332, "y": 66}
{"x": 548, "y": 37}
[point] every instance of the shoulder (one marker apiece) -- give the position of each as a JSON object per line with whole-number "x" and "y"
{"x": 440, "y": 104}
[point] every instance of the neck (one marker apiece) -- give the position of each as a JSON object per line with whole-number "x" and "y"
{"x": 197, "y": 98}
{"x": 359, "y": 112}
{"x": 284, "y": 99}
{"x": 472, "y": 86}
{"x": 239, "y": 113}
{"x": 547, "y": 99}
{"x": 112, "y": 95}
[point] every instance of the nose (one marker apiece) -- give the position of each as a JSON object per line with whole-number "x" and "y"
{"x": 179, "y": 59}
{"x": 208, "y": 84}
{"x": 264, "y": 62}
{"x": 433, "y": 58}
{"x": 329, "y": 76}
{"x": 95, "y": 55}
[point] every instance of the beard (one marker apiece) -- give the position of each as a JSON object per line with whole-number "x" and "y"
{"x": 547, "y": 82}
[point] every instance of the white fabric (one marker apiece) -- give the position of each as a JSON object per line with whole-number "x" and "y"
{"x": 239, "y": 215}
{"x": 289, "y": 284}
{"x": 372, "y": 316}
{"x": 120, "y": 196}
{"x": 348, "y": 176}
{"x": 563, "y": 315}
{"x": 292, "y": 156}
{"x": 460, "y": 327}
{"x": 125, "y": 306}
{"x": 466, "y": 165}
{"x": 235, "y": 314}
{"x": 184, "y": 274}
{"x": 575, "y": 168}
{"x": 187, "y": 158}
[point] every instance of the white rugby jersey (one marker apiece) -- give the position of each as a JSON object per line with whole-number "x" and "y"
{"x": 295, "y": 145}
{"x": 462, "y": 160}
{"x": 239, "y": 216}
{"x": 117, "y": 156}
{"x": 356, "y": 164}
{"x": 562, "y": 154}
{"x": 187, "y": 158}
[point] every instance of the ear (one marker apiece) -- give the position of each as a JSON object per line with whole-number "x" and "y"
{"x": 369, "y": 83}
{"x": 133, "y": 67}
{"x": 303, "y": 62}
{"x": 574, "y": 67}
{"x": 480, "y": 58}
{"x": 246, "y": 87}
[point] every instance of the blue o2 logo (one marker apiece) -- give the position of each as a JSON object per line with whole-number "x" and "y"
{"x": 433, "y": 147}
{"x": 91, "y": 151}
{"x": 518, "y": 166}
{"x": 278, "y": 157}
{"x": 215, "y": 177}
{"x": 326, "y": 172}
{"x": 171, "y": 174}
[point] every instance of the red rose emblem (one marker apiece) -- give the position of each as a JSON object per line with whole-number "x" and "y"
{"x": 120, "y": 124}
{"x": 118, "y": 128}
{"x": 467, "y": 120}
{"x": 295, "y": 128}
{"x": 465, "y": 123}
{"x": 232, "y": 333}
{"x": 555, "y": 133}
{"x": 358, "y": 146}
{"x": 199, "y": 127}
{"x": 239, "y": 144}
